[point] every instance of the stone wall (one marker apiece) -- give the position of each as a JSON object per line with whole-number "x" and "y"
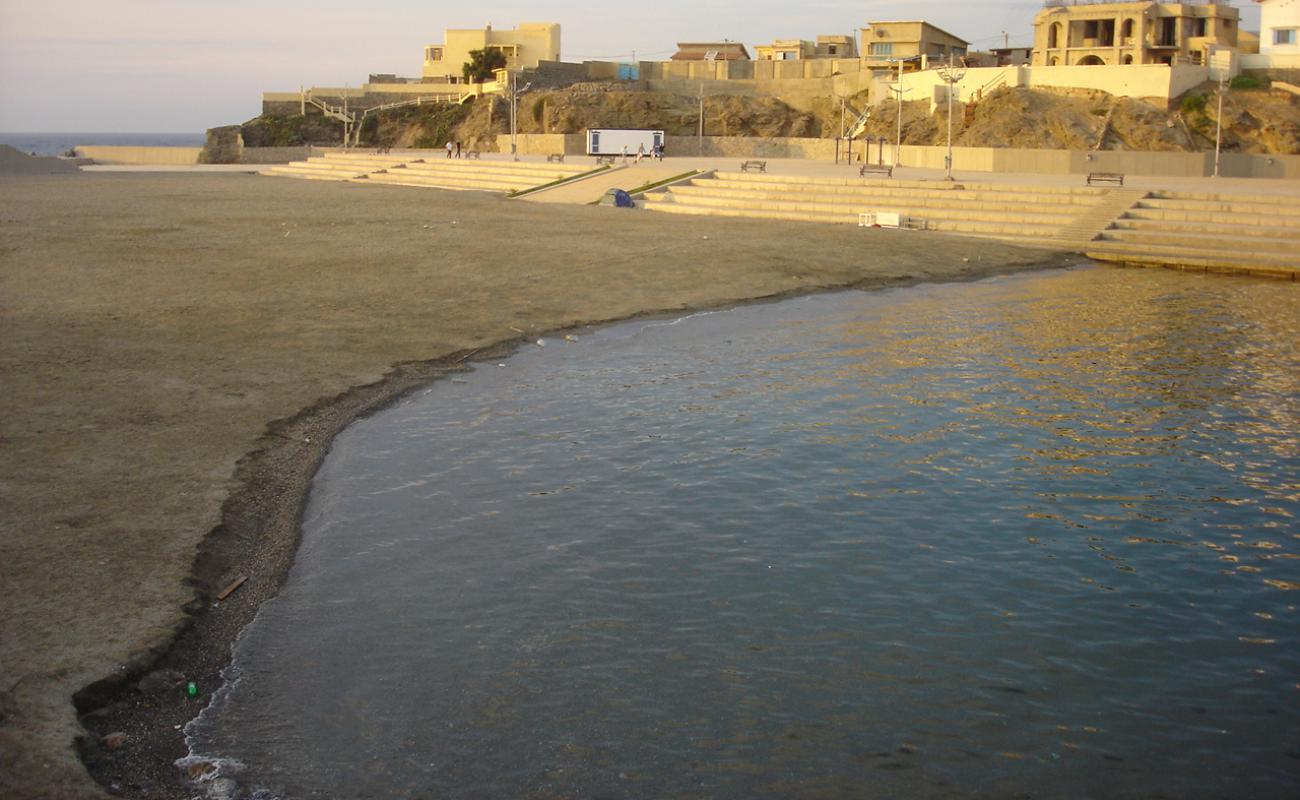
{"x": 965, "y": 159}
{"x": 155, "y": 156}
{"x": 1077, "y": 162}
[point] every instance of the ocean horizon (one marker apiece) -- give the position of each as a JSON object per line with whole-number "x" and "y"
{"x": 59, "y": 143}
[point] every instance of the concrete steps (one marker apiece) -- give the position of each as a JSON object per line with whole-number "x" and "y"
{"x": 332, "y": 167}
{"x": 1252, "y": 234}
{"x": 1041, "y": 215}
{"x": 467, "y": 174}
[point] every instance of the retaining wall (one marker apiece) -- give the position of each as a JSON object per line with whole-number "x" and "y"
{"x": 166, "y": 156}
{"x": 1078, "y": 162}
{"x": 966, "y": 159}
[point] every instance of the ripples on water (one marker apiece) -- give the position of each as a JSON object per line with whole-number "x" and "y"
{"x": 1033, "y": 536}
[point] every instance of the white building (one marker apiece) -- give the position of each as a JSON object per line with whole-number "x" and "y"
{"x": 1279, "y": 27}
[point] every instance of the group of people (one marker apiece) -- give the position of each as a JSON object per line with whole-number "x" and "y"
{"x": 450, "y": 145}
{"x": 656, "y": 152}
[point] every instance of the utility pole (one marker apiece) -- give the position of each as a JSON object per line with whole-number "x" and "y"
{"x": 1218, "y": 126}
{"x": 514, "y": 121}
{"x": 898, "y": 89}
{"x": 951, "y": 75}
{"x": 701, "y": 136}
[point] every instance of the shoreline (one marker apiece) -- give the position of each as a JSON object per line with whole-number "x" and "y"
{"x": 266, "y": 514}
{"x": 265, "y": 349}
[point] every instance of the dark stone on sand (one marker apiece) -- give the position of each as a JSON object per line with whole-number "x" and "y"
{"x": 115, "y": 741}
{"x": 163, "y": 680}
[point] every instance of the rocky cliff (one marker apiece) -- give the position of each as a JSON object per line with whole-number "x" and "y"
{"x": 1255, "y": 120}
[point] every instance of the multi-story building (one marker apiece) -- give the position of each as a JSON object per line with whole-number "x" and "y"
{"x": 524, "y": 46}
{"x": 836, "y": 45}
{"x": 1279, "y": 27}
{"x": 832, "y": 46}
{"x": 886, "y": 43}
{"x": 1101, "y": 32}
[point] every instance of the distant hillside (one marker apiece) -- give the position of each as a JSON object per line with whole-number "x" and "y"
{"x": 1255, "y": 120}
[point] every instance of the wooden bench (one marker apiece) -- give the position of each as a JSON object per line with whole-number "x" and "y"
{"x": 472, "y": 154}
{"x": 555, "y": 158}
{"x": 1105, "y": 177}
{"x": 760, "y": 166}
{"x": 880, "y": 169}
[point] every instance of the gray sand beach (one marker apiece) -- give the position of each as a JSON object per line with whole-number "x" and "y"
{"x": 178, "y": 349}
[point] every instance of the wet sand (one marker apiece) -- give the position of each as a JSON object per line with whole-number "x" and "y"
{"x": 179, "y": 349}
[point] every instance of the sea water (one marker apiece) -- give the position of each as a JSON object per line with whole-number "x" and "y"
{"x": 1029, "y": 537}
{"x": 58, "y": 144}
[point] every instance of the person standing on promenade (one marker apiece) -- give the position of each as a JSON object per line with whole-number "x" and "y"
{"x": 457, "y": 149}
{"x": 640, "y": 152}
{"x": 449, "y": 146}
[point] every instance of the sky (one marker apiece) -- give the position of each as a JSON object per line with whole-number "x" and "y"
{"x": 110, "y": 66}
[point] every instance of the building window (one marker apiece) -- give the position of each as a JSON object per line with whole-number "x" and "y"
{"x": 1284, "y": 36}
{"x": 832, "y": 50}
{"x": 433, "y": 54}
{"x": 1198, "y": 26}
{"x": 787, "y": 56}
{"x": 1126, "y": 32}
{"x": 1054, "y": 35}
{"x": 882, "y": 48}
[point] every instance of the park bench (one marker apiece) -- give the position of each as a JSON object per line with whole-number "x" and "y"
{"x": 1107, "y": 177}
{"x": 472, "y": 154}
{"x": 555, "y": 158}
{"x": 608, "y": 159}
{"x": 880, "y": 169}
{"x": 760, "y": 166}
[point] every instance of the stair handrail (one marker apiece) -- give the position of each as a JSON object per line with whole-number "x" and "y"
{"x": 997, "y": 80}
{"x": 417, "y": 101}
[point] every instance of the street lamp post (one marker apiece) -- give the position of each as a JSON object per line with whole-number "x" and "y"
{"x": 1218, "y": 124}
{"x": 514, "y": 113}
{"x": 898, "y": 90}
{"x": 950, "y": 75}
{"x": 514, "y": 117}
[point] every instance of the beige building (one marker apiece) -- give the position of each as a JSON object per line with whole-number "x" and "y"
{"x": 1279, "y": 22}
{"x": 1082, "y": 33}
{"x": 832, "y": 46}
{"x": 785, "y": 50}
{"x": 523, "y": 46}
{"x": 883, "y": 43}
{"x": 836, "y": 45}
{"x": 725, "y": 50}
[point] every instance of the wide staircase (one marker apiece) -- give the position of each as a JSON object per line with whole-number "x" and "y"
{"x": 1058, "y": 217}
{"x": 335, "y": 166}
{"x": 1257, "y": 234}
{"x": 436, "y": 172}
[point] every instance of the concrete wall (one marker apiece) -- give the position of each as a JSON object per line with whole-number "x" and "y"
{"x": 273, "y": 155}
{"x": 965, "y": 159}
{"x": 1148, "y": 81}
{"x": 1074, "y": 162}
{"x": 544, "y": 144}
{"x": 166, "y": 156}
